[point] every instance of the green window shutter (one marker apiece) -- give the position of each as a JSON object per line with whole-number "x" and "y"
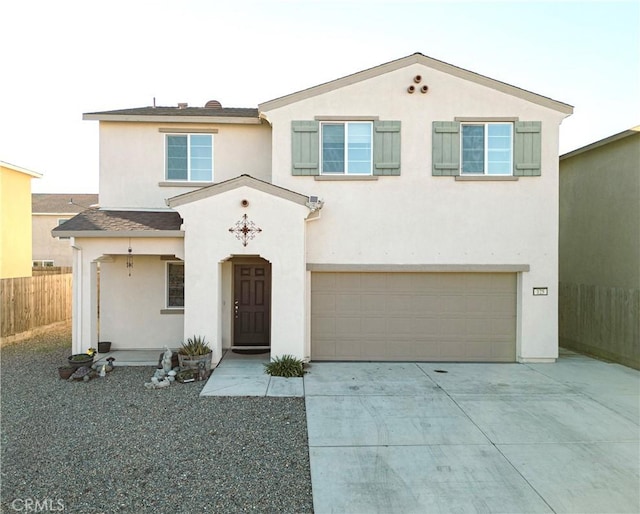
{"x": 386, "y": 148}
{"x": 527, "y": 149}
{"x": 305, "y": 148}
{"x": 445, "y": 146}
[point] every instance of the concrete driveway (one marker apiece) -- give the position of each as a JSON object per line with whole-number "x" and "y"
{"x": 439, "y": 438}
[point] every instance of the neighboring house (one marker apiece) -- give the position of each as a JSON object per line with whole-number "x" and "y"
{"x": 600, "y": 248}
{"x": 405, "y": 212}
{"x": 48, "y": 211}
{"x": 15, "y": 220}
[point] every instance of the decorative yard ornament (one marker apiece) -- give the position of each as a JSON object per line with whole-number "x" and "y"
{"x": 245, "y": 230}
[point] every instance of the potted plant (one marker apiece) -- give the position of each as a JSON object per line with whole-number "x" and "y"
{"x": 82, "y": 359}
{"x": 195, "y": 351}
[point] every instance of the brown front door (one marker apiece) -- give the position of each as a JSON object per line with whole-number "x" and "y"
{"x": 252, "y": 304}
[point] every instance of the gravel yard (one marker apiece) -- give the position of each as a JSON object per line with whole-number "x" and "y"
{"x": 110, "y": 445}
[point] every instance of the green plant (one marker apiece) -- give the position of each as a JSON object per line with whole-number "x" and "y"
{"x": 194, "y": 346}
{"x": 80, "y": 357}
{"x": 285, "y": 366}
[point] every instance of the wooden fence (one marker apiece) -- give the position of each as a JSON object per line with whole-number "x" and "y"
{"x": 602, "y": 321}
{"x": 50, "y": 270}
{"x": 28, "y": 303}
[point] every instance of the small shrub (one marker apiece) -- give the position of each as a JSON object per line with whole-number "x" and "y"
{"x": 195, "y": 346}
{"x": 285, "y": 366}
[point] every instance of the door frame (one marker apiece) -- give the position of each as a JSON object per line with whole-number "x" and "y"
{"x": 240, "y": 260}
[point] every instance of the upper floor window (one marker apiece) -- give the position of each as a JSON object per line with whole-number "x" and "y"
{"x": 189, "y": 157}
{"x": 487, "y": 148}
{"x": 358, "y": 147}
{"x": 347, "y": 148}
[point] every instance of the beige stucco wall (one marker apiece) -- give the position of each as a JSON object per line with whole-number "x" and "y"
{"x": 420, "y": 219}
{"x": 47, "y": 247}
{"x": 208, "y": 246}
{"x": 600, "y": 250}
{"x": 130, "y": 306}
{"x": 132, "y": 160}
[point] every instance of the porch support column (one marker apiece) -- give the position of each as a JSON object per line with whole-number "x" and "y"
{"x": 84, "y": 331}
{"x": 76, "y": 301}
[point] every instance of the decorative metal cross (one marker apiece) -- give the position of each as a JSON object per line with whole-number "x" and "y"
{"x": 245, "y": 230}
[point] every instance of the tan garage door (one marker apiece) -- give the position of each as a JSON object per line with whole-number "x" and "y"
{"x": 413, "y": 316}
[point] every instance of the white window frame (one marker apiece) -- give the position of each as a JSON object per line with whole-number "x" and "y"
{"x": 166, "y": 286}
{"x": 188, "y": 136}
{"x": 346, "y": 124}
{"x": 60, "y": 222}
{"x": 44, "y": 263}
{"x": 485, "y": 171}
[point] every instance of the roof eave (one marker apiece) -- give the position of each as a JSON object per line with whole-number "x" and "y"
{"x": 413, "y": 59}
{"x": 229, "y": 120}
{"x": 602, "y": 142}
{"x": 234, "y": 183}
{"x": 118, "y": 233}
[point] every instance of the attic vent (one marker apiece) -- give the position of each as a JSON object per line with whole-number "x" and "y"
{"x": 213, "y": 104}
{"x": 183, "y": 105}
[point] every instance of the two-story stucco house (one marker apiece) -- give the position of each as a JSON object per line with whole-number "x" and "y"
{"x": 405, "y": 212}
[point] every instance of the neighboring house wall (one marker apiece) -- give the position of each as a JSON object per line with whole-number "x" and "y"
{"x": 48, "y": 211}
{"x": 132, "y": 160}
{"x": 47, "y": 248}
{"x": 600, "y": 249}
{"x": 420, "y": 219}
{"x": 15, "y": 220}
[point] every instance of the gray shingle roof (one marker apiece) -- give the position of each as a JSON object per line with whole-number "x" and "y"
{"x": 59, "y": 203}
{"x": 239, "y": 112}
{"x": 92, "y": 220}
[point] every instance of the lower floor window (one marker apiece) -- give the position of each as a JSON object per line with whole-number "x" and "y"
{"x": 175, "y": 284}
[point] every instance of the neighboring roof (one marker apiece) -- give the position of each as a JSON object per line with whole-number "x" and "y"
{"x": 621, "y": 135}
{"x": 64, "y": 203}
{"x": 184, "y": 114}
{"x": 121, "y": 223}
{"x": 407, "y": 61}
{"x": 13, "y": 167}
{"x": 234, "y": 183}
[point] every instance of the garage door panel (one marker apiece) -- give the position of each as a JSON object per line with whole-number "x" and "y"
{"x": 348, "y": 327}
{"x": 374, "y": 283}
{"x": 348, "y": 303}
{"x": 374, "y": 327}
{"x": 413, "y": 316}
{"x": 323, "y": 303}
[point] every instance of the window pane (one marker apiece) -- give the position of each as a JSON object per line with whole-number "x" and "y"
{"x": 359, "y": 148}
{"x": 499, "y": 149}
{"x": 201, "y": 157}
{"x": 473, "y": 149}
{"x": 175, "y": 285}
{"x": 176, "y": 157}
{"x": 333, "y": 148}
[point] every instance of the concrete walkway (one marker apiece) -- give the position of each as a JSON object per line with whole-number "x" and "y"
{"x": 439, "y": 438}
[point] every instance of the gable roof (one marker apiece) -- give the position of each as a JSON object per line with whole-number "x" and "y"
{"x": 234, "y": 183}
{"x": 19, "y": 169}
{"x": 64, "y": 203}
{"x": 121, "y": 223}
{"x": 240, "y": 115}
{"x": 407, "y": 61}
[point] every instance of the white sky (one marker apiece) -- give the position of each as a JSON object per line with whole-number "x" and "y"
{"x": 62, "y": 58}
